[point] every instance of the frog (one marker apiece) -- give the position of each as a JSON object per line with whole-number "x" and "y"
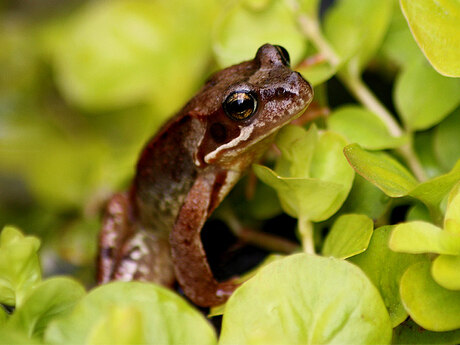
{"x": 152, "y": 231}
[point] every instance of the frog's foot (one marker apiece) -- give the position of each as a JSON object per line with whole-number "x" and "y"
{"x": 145, "y": 257}
{"x": 128, "y": 252}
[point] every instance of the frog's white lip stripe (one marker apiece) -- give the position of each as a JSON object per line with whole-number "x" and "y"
{"x": 244, "y": 135}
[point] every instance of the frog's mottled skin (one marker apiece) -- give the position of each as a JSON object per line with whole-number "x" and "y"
{"x": 152, "y": 232}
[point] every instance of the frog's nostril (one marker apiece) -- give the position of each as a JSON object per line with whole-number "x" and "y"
{"x": 302, "y": 85}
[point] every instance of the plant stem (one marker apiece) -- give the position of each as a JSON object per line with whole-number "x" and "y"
{"x": 368, "y": 99}
{"x": 269, "y": 242}
{"x": 310, "y": 27}
{"x": 306, "y": 235}
{"x": 257, "y": 238}
{"x": 407, "y": 151}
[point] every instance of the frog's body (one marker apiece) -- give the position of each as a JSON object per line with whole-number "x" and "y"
{"x": 153, "y": 231}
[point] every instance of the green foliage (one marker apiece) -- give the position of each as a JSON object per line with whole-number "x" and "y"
{"x": 35, "y": 301}
{"x": 121, "y": 313}
{"x": 362, "y": 126}
{"x": 85, "y": 84}
{"x": 349, "y": 236}
{"x": 19, "y": 266}
{"x": 306, "y": 299}
{"x": 429, "y": 304}
{"x": 381, "y": 169}
{"x": 411, "y": 333}
{"x": 386, "y": 277}
{"x": 341, "y": 31}
{"x": 53, "y": 297}
{"x": 58, "y": 311}
{"x": 312, "y": 178}
{"x": 436, "y": 30}
{"x": 422, "y": 107}
{"x": 129, "y": 37}
{"x": 445, "y": 145}
{"x": 419, "y": 237}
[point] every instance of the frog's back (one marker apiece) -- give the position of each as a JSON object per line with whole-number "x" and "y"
{"x": 165, "y": 174}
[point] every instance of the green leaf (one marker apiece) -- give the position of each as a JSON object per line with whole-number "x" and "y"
{"x": 381, "y": 170}
{"x": 10, "y": 336}
{"x": 423, "y": 97}
{"x": 429, "y": 304}
{"x": 365, "y": 198}
{"x": 422, "y": 237}
{"x": 446, "y": 147}
{"x": 433, "y": 191}
{"x": 350, "y": 235}
{"x": 361, "y": 126}
{"x": 446, "y": 271}
{"x": 452, "y": 218}
{"x": 297, "y": 147}
{"x": 312, "y": 177}
{"x": 121, "y": 325}
{"x": 348, "y": 19}
{"x": 304, "y": 299}
{"x": 53, "y": 298}
{"x": 19, "y": 266}
{"x": 312, "y": 198}
{"x": 434, "y": 25}
{"x": 241, "y": 29}
{"x": 143, "y": 311}
{"x": 328, "y": 162}
{"x": 385, "y": 269}
{"x": 411, "y": 333}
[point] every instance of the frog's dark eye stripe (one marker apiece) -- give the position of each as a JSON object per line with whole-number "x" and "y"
{"x": 284, "y": 55}
{"x": 240, "y": 105}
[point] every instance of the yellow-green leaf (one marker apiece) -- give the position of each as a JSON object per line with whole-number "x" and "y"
{"x": 429, "y": 304}
{"x": 382, "y": 170}
{"x": 422, "y": 237}
{"x": 446, "y": 271}
{"x": 349, "y": 236}
{"x": 435, "y": 26}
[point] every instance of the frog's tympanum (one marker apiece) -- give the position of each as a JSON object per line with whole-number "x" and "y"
{"x": 152, "y": 232}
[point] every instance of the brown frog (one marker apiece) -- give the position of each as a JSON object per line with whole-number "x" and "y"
{"x": 152, "y": 231}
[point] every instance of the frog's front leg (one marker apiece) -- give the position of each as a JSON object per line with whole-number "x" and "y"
{"x": 127, "y": 251}
{"x": 190, "y": 263}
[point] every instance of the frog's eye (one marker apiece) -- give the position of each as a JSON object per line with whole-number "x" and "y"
{"x": 284, "y": 55}
{"x": 240, "y": 105}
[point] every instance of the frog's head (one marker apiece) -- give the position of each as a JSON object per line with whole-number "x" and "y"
{"x": 244, "y": 105}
